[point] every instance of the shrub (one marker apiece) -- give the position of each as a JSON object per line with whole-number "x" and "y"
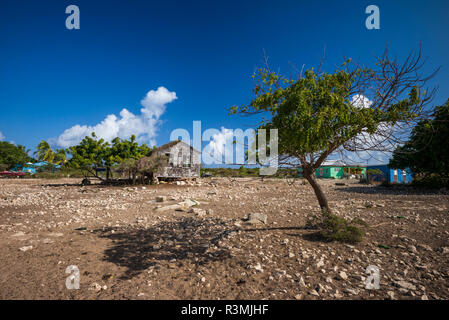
{"x": 431, "y": 181}
{"x": 335, "y": 228}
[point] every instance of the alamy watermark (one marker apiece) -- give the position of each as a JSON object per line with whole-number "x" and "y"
{"x": 251, "y": 147}
{"x": 73, "y": 20}
{"x": 373, "y": 20}
{"x": 72, "y": 281}
{"x": 373, "y": 279}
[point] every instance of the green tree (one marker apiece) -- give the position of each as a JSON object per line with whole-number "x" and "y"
{"x": 44, "y": 152}
{"x": 426, "y": 150}
{"x": 60, "y": 156}
{"x": 90, "y": 154}
{"x": 148, "y": 166}
{"x": 315, "y": 113}
{"x": 10, "y": 155}
{"x": 127, "y": 153}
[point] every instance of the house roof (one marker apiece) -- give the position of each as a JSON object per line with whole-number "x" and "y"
{"x": 173, "y": 143}
{"x": 340, "y": 163}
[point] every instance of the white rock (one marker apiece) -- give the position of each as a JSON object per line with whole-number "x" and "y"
{"x": 342, "y": 275}
{"x": 256, "y": 218}
{"x": 258, "y": 267}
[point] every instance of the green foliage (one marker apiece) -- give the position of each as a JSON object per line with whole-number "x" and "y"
{"x": 45, "y": 153}
{"x": 374, "y": 171}
{"x": 230, "y": 172}
{"x": 148, "y": 166}
{"x": 92, "y": 153}
{"x": 431, "y": 181}
{"x": 64, "y": 172}
{"x": 426, "y": 151}
{"x": 10, "y": 155}
{"x": 335, "y": 228}
{"x": 314, "y": 114}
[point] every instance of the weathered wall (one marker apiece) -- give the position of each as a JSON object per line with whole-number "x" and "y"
{"x": 184, "y": 162}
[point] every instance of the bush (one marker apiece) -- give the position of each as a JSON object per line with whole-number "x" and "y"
{"x": 64, "y": 172}
{"x": 432, "y": 181}
{"x": 230, "y": 172}
{"x": 335, "y": 228}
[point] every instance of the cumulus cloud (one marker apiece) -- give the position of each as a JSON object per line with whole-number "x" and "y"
{"x": 359, "y": 100}
{"x": 2, "y": 137}
{"x": 371, "y": 148}
{"x": 228, "y": 146}
{"x": 219, "y": 141}
{"x": 143, "y": 125}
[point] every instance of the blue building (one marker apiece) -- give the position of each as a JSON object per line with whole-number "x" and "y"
{"x": 32, "y": 168}
{"x": 392, "y": 175}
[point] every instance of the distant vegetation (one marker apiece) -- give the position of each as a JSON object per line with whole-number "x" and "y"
{"x": 427, "y": 153}
{"x": 10, "y": 155}
{"x": 246, "y": 172}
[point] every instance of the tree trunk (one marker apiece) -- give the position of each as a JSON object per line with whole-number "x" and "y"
{"x": 107, "y": 173}
{"x": 318, "y": 191}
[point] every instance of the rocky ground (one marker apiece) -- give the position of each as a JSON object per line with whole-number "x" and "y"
{"x": 189, "y": 241}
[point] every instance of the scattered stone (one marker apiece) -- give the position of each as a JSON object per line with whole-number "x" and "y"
{"x": 313, "y": 292}
{"x": 256, "y": 218}
{"x": 19, "y": 234}
{"x": 405, "y": 285}
{"x": 425, "y": 247}
{"x": 412, "y": 249}
{"x": 26, "y": 248}
{"x": 197, "y": 211}
{"x": 351, "y": 291}
{"x": 342, "y": 276}
{"x": 161, "y": 199}
{"x": 55, "y": 234}
{"x": 95, "y": 287}
{"x": 258, "y": 267}
{"x": 390, "y": 295}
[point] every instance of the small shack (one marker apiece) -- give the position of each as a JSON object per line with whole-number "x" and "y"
{"x": 337, "y": 169}
{"x": 392, "y": 175}
{"x": 184, "y": 161}
{"x": 32, "y": 168}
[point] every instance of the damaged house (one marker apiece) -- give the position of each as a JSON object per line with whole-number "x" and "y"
{"x": 183, "y": 161}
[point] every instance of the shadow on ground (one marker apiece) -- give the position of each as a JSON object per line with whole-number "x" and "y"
{"x": 186, "y": 240}
{"x": 392, "y": 190}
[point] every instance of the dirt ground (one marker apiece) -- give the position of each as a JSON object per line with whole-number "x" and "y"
{"x": 126, "y": 248}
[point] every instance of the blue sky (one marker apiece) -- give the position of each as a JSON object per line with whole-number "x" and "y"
{"x": 52, "y": 78}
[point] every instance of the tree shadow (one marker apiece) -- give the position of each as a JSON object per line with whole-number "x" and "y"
{"x": 390, "y": 190}
{"x": 186, "y": 240}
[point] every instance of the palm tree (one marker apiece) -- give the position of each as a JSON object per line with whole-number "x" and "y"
{"x": 60, "y": 156}
{"x": 44, "y": 152}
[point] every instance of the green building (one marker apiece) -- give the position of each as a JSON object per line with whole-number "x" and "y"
{"x": 337, "y": 169}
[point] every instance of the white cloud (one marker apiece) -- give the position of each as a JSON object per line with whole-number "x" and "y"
{"x": 219, "y": 141}
{"x": 359, "y": 100}
{"x": 144, "y": 125}
{"x": 2, "y": 137}
{"x": 372, "y": 148}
